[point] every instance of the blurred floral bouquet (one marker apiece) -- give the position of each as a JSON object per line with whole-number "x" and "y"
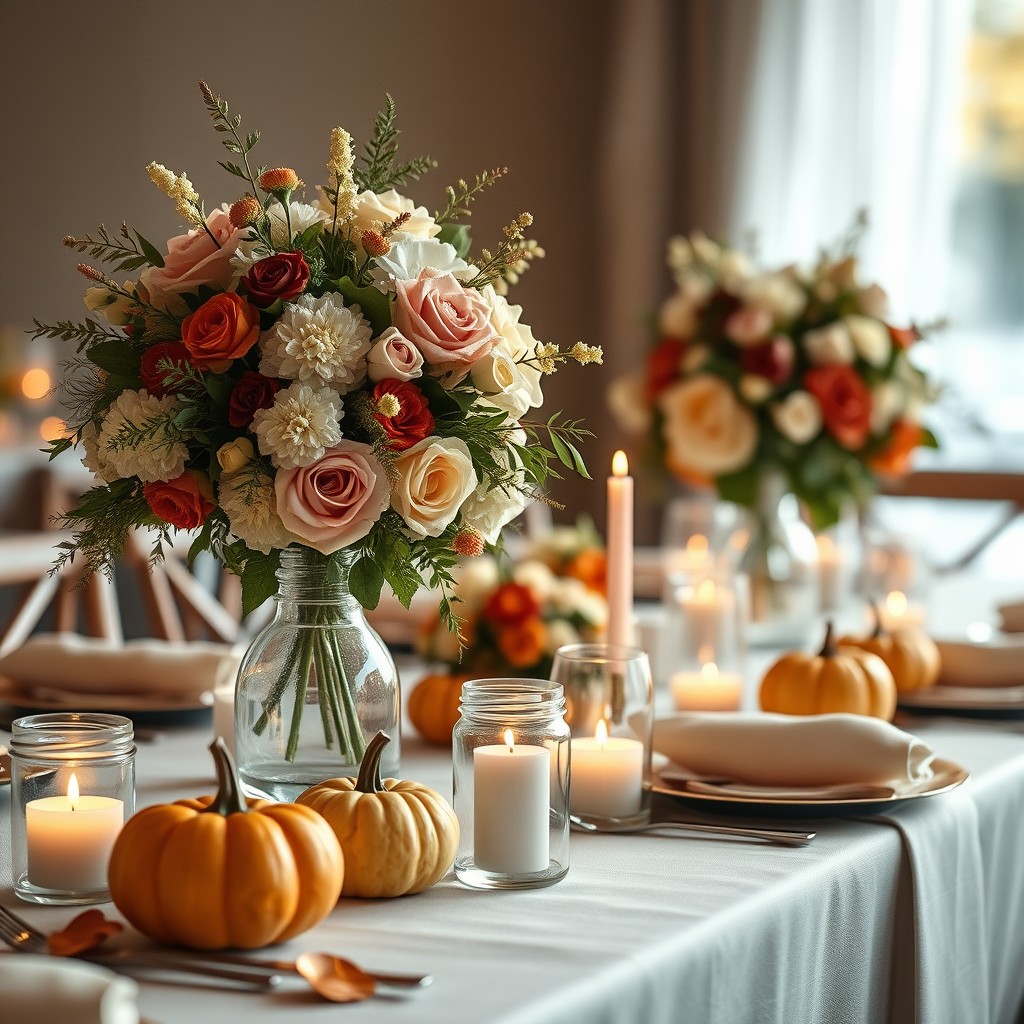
{"x": 514, "y": 622}
{"x": 576, "y": 552}
{"x": 777, "y": 372}
{"x": 344, "y": 374}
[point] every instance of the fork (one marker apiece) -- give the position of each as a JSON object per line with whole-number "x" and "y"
{"x": 22, "y": 937}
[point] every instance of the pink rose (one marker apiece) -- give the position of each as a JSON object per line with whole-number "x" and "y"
{"x": 749, "y": 325}
{"x": 335, "y": 501}
{"x": 193, "y": 260}
{"x": 449, "y": 324}
{"x": 393, "y": 358}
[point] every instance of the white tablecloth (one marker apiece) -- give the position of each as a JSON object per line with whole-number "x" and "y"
{"x": 651, "y": 929}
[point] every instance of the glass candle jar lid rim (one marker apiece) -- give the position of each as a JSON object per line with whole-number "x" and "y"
{"x": 72, "y": 734}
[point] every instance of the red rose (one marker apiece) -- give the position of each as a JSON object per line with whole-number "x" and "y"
{"x": 663, "y": 364}
{"x": 772, "y": 360}
{"x": 845, "y": 402}
{"x": 281, "y": 276}
{"x": 510, "y": 604}
{"x": 153, "y": 374}
{"x": 221, "y": 329}
{"x": 412, "y": 422}
{"x": 184, "y": 502}
{"x": 252, "y": 392}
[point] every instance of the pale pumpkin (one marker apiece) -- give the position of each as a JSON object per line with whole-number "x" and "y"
{"x": 434, "y": 706}
{"x": 218, "y": 872}
{"x": 911, "y": 654}
{"x": 398, "y": 836}
{"x": 836, "y": 679}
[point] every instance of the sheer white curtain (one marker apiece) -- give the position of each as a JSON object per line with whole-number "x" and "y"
{"x": 853, "y": 104}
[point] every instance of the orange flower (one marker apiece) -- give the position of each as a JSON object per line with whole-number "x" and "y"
{"x": 903, "y": 337}
{"x": 221, "y": 329}
{"x": 511, "y": 604}
{"x": 522, "y": 644}
{"x": 590, "y": 567}
{"x": 279, "y": 179}
{"x": 894, "y": 458}
{"x": 245, "y": 211}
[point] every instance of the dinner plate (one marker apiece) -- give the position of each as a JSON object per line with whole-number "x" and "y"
{"x": 946, "y": 776}
{"x": 140, "y": 707}
{"x": 978, "y": 701}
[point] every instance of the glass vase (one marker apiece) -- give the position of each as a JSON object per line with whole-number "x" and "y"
{"x": 781, "y": 563}
{"x": 315, "y": 685}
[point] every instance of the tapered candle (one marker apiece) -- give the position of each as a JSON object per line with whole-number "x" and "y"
{"x": 620, "y": 552}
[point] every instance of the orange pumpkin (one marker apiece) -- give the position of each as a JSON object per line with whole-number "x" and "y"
{"x": 215, "y": 872}
{"x": 911, "y": 654}
{"x": 836, "y": 679}
{"x": 434, "y": 706}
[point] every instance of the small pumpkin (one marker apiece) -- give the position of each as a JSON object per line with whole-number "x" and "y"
{"x": 398, "y": 836}
{"x": 434, "y": 706}
{"x": 911, "y": 654}
{"x": 217, "y": 871}
{"x": 836, "y": 679}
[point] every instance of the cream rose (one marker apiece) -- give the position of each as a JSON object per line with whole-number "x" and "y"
{"x": 706, "y": 428}
{"x": 797, "y": 417}
{"x": 118, "y": 309}
{"x": 873, "y": 301}
{"x": 235, "y": 454}
{"x": 448, "y": 323}
{"x": 517, "y": 345}
{"x": 335, "y": 501}
{"x": 678, "y": 315}
{"x": 393, "y": 357}
{"x": 376, "y": 209}
{"x": 870, "y": 338}
{"x": 193, "y": 260}
{"x": 435, "y": 476}
{"x": 778, "y": 293}
{"x": 475, "y": 580}
{"x": 495, "y": 374}
{"x": 829, "y": 345}
{"x": 627, "y": 401}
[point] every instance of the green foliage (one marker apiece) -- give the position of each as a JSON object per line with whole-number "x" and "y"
{"x": 379, "y": 172}
{"x": 115, "y": 356}
{"x": 131, "y": 253}
{"x": 375, "y": 305}
{"x": 456, "y": 235}
{"x": 85, "y": 334}
{"x": 365, "y": 581}
{"x": 461, "y": 195}
{"x": 227, "y": 125}
{"x": 259, "y": 579}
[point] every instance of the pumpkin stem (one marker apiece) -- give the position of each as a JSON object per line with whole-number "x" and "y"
{"x": 229, "y": 798}
{"x": 876, "y": 611}
{"x": 369, "y": 780}
{"x": 829, "y": 649}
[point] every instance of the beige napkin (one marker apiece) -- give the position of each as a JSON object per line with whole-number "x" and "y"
{"x": 997, "y": 663}
{"x": 52, "y": 990}
{"x": 859, "y": 755}
{"x": 76, "y": 664}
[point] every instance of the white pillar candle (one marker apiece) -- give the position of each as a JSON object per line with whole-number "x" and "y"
{"x": 620, "y": 553}
{"x": 707, "y": 609}
{"x": 511, "y": 807}
{"x": 830, "y": 574}
{"x": 706, "y": 690}
{"x": 69, "y": 839}
{"x": 607, "y": 774}
{"x": 897, "y": 611}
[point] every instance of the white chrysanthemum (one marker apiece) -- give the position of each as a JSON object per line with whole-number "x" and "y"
{"x": 136, "y": 440}
{"x": 318, "y": 339}
{"x": 250, "y": 503}
{"x": 302, "y": 215}
{"x": 409, "y": 256}
{"x": 300, "y": 426}
{"x": 92, "y": 455}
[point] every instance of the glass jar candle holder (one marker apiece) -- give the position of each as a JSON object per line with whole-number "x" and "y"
{"x": 609, "y": 698}
{"x": 72, "y": 789}
{"x": 510, "y": 751}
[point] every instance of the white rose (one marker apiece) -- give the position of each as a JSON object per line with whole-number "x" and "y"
{"x": 494, "y": 374}
{"x": 755, "y": 388}
{"x": 826, "y": 346}
{"x": 873, "y": 301}
{"x": 435, "y": 476}
{"x": 778, "y": 293}
{"x": 409, "y": 257}
{"x": 707, "y": 429}
{"x": 733, "y": 265}
{"x": 870, "y": 338}
{"x": 561, "y": 633}
{"x": 490, "y": 508}
{"x": 568, "y": 595}
{"x": 475, "y": 580}
{"x": 519, "y": 345}
{"x": 537, "y": 577}
{"x": 393, "y": 357}
{"x": 627, "y": 401}
{"x": 594, "y": 608}
{"x": 373, "y": 210}
{"x": 118, "y": 309}
{"x": 797, "y": 417}
{"x": 887, "y": 402}
{"x": 704, "y": 249}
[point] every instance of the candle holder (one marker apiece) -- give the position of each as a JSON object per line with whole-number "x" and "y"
{"x": 609, "y": 699}
{"x": 72, "y": 788}
{"x": 510, "y": 752}
{"x": 704, "y": 641}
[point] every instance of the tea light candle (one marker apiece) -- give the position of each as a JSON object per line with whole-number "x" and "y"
{"x": 69, "y": 839}
{"x": 897, "y": 611}
{"x": 706, "y": 609}
{"x": 706, "y": 690}
{"x": 620, "y": 553}
{"x": 511, "y": 801}
{"x": 830, "y": 573}
{"x": 606, "y": 779}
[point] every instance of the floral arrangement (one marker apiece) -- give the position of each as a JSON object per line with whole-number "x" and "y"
{"x": 344, "y": 374}
{"x": 782, "y": 370}
{"x": 515, "y": 620}
{"x": 576, "y": 552}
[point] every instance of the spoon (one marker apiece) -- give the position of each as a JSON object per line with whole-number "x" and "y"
{"x": 787, "y": 838}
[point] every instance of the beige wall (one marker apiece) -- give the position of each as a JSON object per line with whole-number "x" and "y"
{"x": 92, "y": 92}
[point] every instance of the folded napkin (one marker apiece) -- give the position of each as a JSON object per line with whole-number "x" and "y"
{"x": 72, "y": 663}
{"x": 999, "y": 662}
{"x": 769, "y": 750}
{"x": 1012, "y": 616}
{"x": 53, "y": 990}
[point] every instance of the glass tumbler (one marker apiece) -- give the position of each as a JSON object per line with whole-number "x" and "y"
{"x": 72, "y": 789}
{"x": 510, "y": 753}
